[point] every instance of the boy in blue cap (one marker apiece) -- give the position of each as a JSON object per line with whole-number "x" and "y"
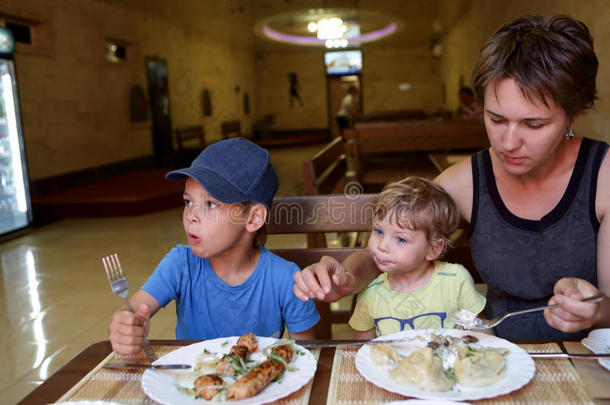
{"x": 225, "y": 282}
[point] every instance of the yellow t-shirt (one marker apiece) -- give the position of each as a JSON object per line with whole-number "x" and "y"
{"x": 449, "y": 290}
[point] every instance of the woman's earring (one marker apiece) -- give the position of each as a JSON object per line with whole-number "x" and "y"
{"x": 570, "y": 134}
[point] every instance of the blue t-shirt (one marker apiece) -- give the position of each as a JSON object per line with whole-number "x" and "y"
{"x": 207, "y": 307}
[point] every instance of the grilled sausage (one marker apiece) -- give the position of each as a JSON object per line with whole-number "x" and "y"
{"x": 248, "y": 340}
{"x": 207, "y": 386}
{"x": 260, "y": 376}
{"x": 225, "y": 367}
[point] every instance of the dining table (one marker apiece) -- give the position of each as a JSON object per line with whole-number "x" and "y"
{"x": 336, "y": 379}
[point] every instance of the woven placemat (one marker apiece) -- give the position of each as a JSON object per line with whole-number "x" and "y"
{"x": 555, "y": 381}
{"x": 124, "y": 386}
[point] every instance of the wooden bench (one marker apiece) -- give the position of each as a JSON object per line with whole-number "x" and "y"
{"x": 394, "y": 115}
{"x": 230, "y": 129}
{"x": 333, "y": 213}
{"x": 188, "y": 133}
{"x": 320, "y": 214}
{"x": 418, "y": 137}
{"x": 325, "y": 173}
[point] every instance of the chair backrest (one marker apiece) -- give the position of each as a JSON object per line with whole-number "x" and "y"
{"x": 230, "y": 129}
{"x": 333, "y": 213}
{"x": 324, "y": 173}
{"x": 188, "y": 133}
{"x": 319, "y": 214}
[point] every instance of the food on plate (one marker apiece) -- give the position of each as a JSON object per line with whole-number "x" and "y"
{"x": 477, "y": 368}
{"x": 261, "y": 376}
{"x": 466, "y": 319}
{"x": 424, "y": 369}
{"x": 207, "y": 386}
{"x": 232, "y": 362}
{"x": 384, "y": 355}
{"x": 248, "y": 340}
{"x": 444, "y": 361}
{"x": 241, "y": 373}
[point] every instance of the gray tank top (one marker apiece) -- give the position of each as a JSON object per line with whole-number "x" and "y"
{"x": 520, "y": 260}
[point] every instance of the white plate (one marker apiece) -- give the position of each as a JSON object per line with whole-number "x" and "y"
{"x": 161, "y": 386}
{"x": 598, "y": 341}
{"x": 520, "y": 368}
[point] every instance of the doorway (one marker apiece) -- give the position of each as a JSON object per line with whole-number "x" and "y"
{"x": 337, "y": 89}
{"x": 158, "y": 91}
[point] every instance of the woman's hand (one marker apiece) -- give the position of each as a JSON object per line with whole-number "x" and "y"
{"x": 573, "y": 315}
{"x": 127, "y": 330}
{"x": 326, "y": 281}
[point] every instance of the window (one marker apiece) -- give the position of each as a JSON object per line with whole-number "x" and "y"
{"x": 21, "y": 32}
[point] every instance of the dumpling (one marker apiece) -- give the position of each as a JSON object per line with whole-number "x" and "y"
{"x": 479, "y": 368}
{"x": 423, "y": 369}
{"x": 384, "y": 355}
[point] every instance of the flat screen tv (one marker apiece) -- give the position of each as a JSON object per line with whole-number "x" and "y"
{"x": 343, "y": 62}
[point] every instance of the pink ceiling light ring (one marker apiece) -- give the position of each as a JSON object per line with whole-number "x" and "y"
{"x": 314, "y": 41}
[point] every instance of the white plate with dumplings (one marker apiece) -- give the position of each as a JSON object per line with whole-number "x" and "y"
{"x": 519, "y": 368}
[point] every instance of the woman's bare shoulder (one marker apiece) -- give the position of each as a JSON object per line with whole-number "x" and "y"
{"x": 456, "y": 176}
{"x": 602, "y": 201}
{"x": 457, "y": 181}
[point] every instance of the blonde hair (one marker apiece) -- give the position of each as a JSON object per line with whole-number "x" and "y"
{"x": 419, "y": 204}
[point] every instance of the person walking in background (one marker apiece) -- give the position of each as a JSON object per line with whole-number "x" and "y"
{"x": 348, "y": 110}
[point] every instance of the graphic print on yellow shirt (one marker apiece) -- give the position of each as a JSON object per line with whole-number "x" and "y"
{"x": 449, "y": 290}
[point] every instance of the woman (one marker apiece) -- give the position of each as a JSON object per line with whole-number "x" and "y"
{"x": 538, "y": 200}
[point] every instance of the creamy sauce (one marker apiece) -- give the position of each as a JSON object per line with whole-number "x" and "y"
{"x": 466, "y": 319}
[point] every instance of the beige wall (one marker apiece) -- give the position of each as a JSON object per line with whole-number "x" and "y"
{"x": 74, "y": 103}
{"x": 273, "y": 86}
{"x": 470, "y": 22}
{"x": 386, "y": 67}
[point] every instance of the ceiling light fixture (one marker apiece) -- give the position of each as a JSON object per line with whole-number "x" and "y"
{"x": 333, "y": 28}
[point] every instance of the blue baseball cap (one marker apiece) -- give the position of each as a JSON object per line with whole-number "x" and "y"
{"x": 232, "y": 171}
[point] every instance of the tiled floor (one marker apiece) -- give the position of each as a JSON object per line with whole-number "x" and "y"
{"x": 55, "y": 299}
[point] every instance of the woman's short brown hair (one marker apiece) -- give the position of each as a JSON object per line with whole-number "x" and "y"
{"x": 419, "y": 204}
{"x": 547, "y": 57}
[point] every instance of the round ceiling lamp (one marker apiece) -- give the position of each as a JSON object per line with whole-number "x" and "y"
{"x": 331, "y": 28}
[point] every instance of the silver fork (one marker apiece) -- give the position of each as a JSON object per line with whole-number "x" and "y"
{"x": 490, "y": 323}
{"x": 120, "y": 287}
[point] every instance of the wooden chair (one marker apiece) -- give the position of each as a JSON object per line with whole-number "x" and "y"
{"x": 324, "y": 173}
{"x": 319, "y": 214}
{"x": 189, "y": 133}
{"x": 333, "y": 213}
{"x": 230, "y": 129}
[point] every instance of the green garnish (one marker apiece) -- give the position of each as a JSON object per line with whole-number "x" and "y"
{"x": 450, "y": 374}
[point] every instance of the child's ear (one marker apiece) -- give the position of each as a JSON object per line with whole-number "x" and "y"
{"x": 256, "y": 217}
{"x": 435, "y": 249}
